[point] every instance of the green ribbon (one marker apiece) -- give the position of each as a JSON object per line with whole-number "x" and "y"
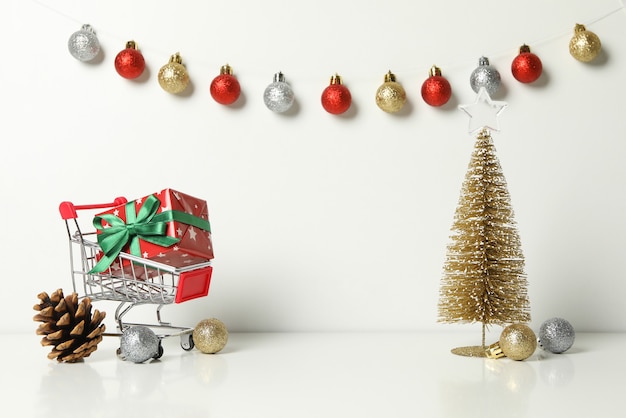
{"x": 146, "y": 225}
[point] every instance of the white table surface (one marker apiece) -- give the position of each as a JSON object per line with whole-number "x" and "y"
{"x": 318, "y": 375}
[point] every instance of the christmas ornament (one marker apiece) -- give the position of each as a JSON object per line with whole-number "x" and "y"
{"x": 517, "y": 342}
{"x": 139, "y": 344}
{"x": 336, "y": 98}
{"x": 68, "y": 325}
{"x": 484, "y": 112}
{"x": 390, "y": 96}
{"x": 173, "y": 76}
{"x": 129, "y": 63}
{"x": 225, "y": 88}
{"x": 278, "y": 96}
{"x": 526, "y": 67}
{"x": 210, "y": 335}
{"x": 436, "y": 90}
{"x": 556, "y": 335}
{"x": 484, "y": 279}
{"x": 584, "y": 45}
{"x": 83, "y": 44}
{"x": 486, "y": 76}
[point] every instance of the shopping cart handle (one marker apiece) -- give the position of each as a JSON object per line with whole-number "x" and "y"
{"x": 68, "y": 209}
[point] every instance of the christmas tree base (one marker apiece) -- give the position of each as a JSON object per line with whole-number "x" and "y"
{"x": 470, "y": 351}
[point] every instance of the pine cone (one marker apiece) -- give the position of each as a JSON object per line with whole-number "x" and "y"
{"x": 68, "y": 325}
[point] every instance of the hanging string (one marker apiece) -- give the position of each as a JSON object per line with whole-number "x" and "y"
{"x": 448, "y": 66}
{"x": 545, "y": 40}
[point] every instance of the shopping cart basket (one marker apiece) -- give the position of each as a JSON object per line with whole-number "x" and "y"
{"x": 140, "y": 281}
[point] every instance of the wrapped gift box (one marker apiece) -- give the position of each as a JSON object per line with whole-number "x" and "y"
{"x": 170, "y": 227}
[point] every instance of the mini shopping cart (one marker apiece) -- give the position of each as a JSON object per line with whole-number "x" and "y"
{"x": 141, "y": 281}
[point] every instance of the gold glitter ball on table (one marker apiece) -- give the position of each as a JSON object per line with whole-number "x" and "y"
{"x": 390, "y": 96}
{"x": 173, "y": 76}
{"x": 518, "y": 342}
{"x": 584, "y": 45}
{"x": 210, "y": 336}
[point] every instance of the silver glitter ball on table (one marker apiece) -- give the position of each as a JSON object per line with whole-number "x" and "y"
{"x": 83, "y": 44}
{"x": 278, "y": 96}
{"x": 486, "y": 76}
{"x": 139, "y": 344}
{"x": 556, "y": 335}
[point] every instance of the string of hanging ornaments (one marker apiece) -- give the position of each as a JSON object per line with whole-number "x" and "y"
{"x": 436, "y": 91}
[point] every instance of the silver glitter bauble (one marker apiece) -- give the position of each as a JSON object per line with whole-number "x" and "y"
{"x": 556, "y": 335}
{"x": 83, "y": 44}
{"x": 210, "y": 335}
{"x": 485, "y": 76}
{"x": 278, "y": 96}
{"x": 139, "y": 344}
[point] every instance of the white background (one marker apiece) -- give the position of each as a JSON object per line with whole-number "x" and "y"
{"x": 320, "y": 222}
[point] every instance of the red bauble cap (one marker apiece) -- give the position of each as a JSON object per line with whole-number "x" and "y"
{"x": 225, "y": 88}
{"x": 436, "y": 90}
{"x": 526, "y": 67}
{"x": 129, "y": 63}
{"x": 336, "y": 98}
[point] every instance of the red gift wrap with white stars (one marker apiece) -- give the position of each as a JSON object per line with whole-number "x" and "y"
{"x": 194, "y": 246}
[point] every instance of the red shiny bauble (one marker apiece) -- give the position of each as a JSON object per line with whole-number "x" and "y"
{"x": 129, "y": 63}
{"x": 436, "y": 89}
{"x": 526, "y": 67}
{"x": 336, "y": 98}
{"x": 225, "y": 88}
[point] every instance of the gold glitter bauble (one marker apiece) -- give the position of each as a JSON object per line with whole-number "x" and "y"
{"x": 210, "y": 336}
{"x": 173, "y": 76}
{"x": 584, "y": 45}
{"x": 390, "y": 96}
{"x": 518, "y": 342}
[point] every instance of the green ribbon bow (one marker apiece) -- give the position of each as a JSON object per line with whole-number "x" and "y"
{"x": 146, "y": 225}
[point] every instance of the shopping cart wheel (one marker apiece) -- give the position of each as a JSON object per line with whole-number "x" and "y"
{"x": 159, "y": 354}
{"x": 186, "y": 342}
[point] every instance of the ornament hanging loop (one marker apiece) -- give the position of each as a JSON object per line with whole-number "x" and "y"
{"x": 279, "y": 77}
{"x": 336, "y": 79}
{"x": 390, "y": 77}
{"x": 494, "y": 351}
{"x": 87, "y": 27}
{"x": 434, "y": 71}
{"x": 176, "y": 58}
{"x": 226, "y": 69}
{"x": 483, "y": 61}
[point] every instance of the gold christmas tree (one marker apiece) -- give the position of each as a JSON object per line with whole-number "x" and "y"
{"x": 484, "y": 279}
